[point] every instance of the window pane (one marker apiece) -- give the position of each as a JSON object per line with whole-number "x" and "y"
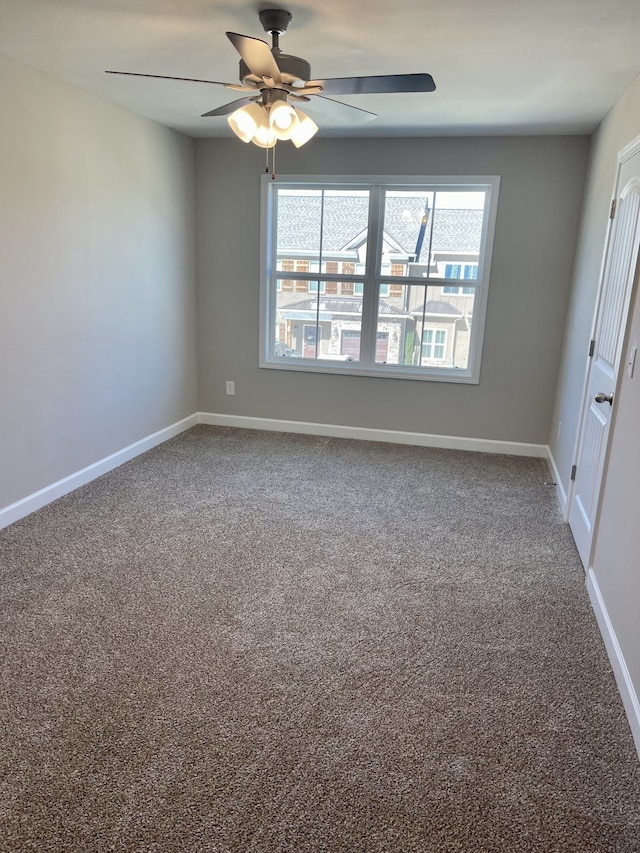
{"x": 452, "y": 270}
{"x": 426, "y": 327}
{"x": 319, "y": 327}
{"x": 457, "y": 231}
{"x": 407, "y": 232}
{"x": 396, "y": 327}
{"x": 471, "y": 270}
{"x": 326, "y": 227}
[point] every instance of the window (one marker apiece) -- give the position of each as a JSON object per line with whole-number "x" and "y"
{"x": 364, "y": 276}
{"x": 433, "y": 344}
{"x": 466, "y": 290}
{"x": 461, "y": 271}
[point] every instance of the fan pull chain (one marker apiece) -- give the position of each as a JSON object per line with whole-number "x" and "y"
{"x": 273, "y": 162}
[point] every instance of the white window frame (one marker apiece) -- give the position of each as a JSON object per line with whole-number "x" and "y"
{"x": 374, "y": 277}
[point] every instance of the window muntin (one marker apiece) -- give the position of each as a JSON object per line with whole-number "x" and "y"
{"x": 345, "y": 247}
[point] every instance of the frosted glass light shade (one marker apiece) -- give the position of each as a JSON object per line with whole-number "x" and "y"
{"x": 264, "y": 137}
{"x": 264, "y": 126}
{"x": 283, "y": 120}
{"x": 305, "y": 129}
{"x": 246, "y": 121}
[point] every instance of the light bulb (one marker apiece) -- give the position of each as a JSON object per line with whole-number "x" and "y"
{"x": 246, "y": 121}
{"x": 264, "y": 136}
{"x": 283, "y": 119}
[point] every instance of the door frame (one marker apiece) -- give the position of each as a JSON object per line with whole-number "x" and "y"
{"x": 626, "y": 153}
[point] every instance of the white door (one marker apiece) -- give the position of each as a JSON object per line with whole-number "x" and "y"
{"x": 617, "y": 282}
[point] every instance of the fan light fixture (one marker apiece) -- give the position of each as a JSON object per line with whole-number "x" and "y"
{"x": 269, "y": 78}
{"x": 264, "y": 124}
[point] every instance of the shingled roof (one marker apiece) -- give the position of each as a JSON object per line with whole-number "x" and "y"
{"x": 345, "y": 217}
{"x": 437, "y": 306}
{"x": 340, "y": 305}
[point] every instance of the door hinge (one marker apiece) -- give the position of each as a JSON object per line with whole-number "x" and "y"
{"x": 592, "y": 346}
{"x": 573, "y": 472}
{"x": 612, "y": 209}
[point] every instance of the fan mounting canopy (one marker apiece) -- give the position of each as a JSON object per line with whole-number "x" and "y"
{"x": 275, "y": 20}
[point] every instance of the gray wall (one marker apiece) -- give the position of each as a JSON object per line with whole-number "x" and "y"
{"x": 538, "y": 214}
{"x": 97, "y": 283}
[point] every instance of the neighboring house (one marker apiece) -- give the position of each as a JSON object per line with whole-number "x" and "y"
{"x": 333, "y": 241}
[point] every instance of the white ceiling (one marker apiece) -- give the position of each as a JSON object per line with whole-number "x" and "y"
{"x": 500, "y": 66}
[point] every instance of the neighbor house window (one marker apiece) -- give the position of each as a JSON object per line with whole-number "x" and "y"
{"x": 461, "y": 271}
{"x": 433, "y": 344}
{"x": 468, "y": 291}
{"x": 365, "y": 276}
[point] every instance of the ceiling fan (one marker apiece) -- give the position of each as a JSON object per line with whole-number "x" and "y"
{"x": 277, "y": 82}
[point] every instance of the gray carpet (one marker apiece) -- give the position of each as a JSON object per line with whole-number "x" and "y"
{"x": 245, "y": 641}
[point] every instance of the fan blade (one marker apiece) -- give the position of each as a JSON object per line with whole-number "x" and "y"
{"x": 304, "y": 90}
{"x": 186, "y": 79}
{"x": 258, "y": 57}
{"x": 344, "y": 112}
{"x": 231, "y": 107}
{"x": 376, "y": 85}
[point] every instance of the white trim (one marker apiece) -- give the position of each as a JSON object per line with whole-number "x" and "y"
{"x": 622, "y": 156}
{"x": 450, "y": 442}
{"x": 557, "y": 479}
{"x": 629, "y": 150}
{"x": 20, "y": 509}
{"x": 618, "y": 664}
{"x": 41, "y": 498}
{"x": 377, "y": 186}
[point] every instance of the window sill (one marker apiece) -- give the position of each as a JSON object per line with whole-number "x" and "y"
{"x": 344, "y": 368}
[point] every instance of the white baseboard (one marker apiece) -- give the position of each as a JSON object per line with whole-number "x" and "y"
{"x": 449, "y": 442}
{"x": 562, "y": 495}
{"x": 41, "y": 498}
{"x": 620, "y": 670}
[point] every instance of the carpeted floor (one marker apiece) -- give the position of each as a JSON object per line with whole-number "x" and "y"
{"x": 248, "y": 641}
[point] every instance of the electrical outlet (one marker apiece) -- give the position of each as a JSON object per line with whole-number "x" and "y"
{"x": 230, "y": 387}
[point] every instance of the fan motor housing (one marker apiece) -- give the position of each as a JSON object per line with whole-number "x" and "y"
{"x": 294, "y": 70}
